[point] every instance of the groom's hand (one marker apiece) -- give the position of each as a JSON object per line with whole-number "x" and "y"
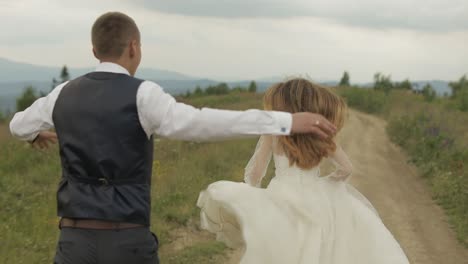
{"x": 43, "y": 140}
{"x": 312, "y": 123}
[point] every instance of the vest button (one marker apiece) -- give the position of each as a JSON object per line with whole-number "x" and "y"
{"x": 104, "y": 181}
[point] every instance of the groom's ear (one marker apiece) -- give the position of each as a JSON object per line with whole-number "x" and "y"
{"x": 133, "y": 48}
{"x": 95, "y": 54}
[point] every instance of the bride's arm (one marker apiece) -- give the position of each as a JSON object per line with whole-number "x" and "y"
{"x": 344, "y": 167}
{"x": 258, "y": 164}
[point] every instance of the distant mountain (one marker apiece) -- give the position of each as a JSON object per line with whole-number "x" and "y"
{"x": 282, "y": 78}
{"x": 441, "y": 87}
{"x": 11, "y": 71}
{"x": 9, "y": 91}
{"x": 14, "y": 71}
{"x": 15, "y": 76}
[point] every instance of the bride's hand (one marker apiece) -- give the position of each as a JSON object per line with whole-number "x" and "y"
{"x": 312, "y": 123}
{"x": 43, "y": 140}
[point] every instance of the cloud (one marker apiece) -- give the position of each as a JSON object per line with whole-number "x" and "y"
{"x": 231, "y": 46}
{"x": 427, "y": 15}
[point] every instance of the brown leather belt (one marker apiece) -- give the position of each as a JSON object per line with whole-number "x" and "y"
{"x": 96, "y": 224}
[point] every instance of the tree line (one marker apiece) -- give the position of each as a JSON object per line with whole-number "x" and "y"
{"x": 30, "y": 94}
{"x": 385, "y": 84}
{"x": 221, "y": 88}
{"x": 382, "y": 82}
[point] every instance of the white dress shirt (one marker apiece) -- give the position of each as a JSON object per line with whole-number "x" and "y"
{"x": 160, "y": 114}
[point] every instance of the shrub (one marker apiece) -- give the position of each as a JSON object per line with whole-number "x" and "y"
{"x": 367, "y": 100}
{"x": 383, "y": 83}
{"x": 442, "y": 160}
{"x": 429, "y": 93}
{"x": 2, "y": 117}
{"x": 462, "y": 100}
{"x": 27, "y": 99}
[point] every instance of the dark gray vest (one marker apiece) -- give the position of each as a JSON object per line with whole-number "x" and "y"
{"x": 106, "y": 155}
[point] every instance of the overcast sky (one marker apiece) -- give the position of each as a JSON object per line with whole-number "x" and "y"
{"x": 247, "y": 39}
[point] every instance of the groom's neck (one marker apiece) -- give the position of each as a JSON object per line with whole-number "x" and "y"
{"x": 120, "y": 62}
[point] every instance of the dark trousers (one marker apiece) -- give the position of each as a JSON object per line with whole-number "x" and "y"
{"x": 90, "y": 246}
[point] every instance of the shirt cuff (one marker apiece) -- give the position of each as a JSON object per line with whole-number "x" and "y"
{"x": 283, "y": 122}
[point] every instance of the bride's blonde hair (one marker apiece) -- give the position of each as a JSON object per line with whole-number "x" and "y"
{"x": 301, "y": 95}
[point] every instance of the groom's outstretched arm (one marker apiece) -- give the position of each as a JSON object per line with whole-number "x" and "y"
{"x": 160, "y": 114}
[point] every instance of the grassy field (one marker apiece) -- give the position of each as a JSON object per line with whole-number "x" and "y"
{"x": 29, "y": 178}
{"x": 435, "y": 136}
{"x": 436, "y": 139}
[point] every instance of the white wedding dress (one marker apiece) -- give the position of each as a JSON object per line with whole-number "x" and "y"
{"x": 299, "y": 218}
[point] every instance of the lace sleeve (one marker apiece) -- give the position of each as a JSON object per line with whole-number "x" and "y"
{"x": 258, "y": 164}
{"x": 344, "y": 167}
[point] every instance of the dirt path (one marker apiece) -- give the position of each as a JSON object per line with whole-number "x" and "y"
{"x": 400, "y": 195}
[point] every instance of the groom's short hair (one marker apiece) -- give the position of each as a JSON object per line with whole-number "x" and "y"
{"x": 111, "y": 33}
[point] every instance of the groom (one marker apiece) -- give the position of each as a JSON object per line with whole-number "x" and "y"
{"x": 105, "y": 121}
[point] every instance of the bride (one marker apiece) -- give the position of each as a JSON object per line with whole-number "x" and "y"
{"x": 300, "y": 217}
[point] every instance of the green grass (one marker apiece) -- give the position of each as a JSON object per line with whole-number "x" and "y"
{"x": 366, "y": 100}
{"x": 29, "y": 178}
{"x": 435, "y": 135}
{"x": 206, "y": 253}
{"x": 28, "y": 182}
{"x": 442, "y": 158}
